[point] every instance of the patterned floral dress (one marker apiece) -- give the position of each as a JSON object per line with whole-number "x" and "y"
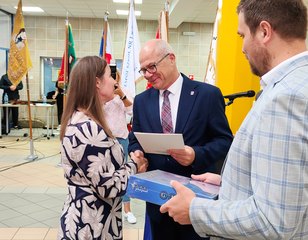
{"x": 97, "y": 178}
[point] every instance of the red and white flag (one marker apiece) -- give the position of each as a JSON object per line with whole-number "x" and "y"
{"x": 105, "y": 50}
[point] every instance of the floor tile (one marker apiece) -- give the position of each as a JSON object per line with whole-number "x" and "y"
{"x": 43, "y": 215}
{"x": 7, "y": 233}
{"x": 35, "y": 190}
{"x": 52, "y": 234}
{"x": 21, "y": 221}
{"x": 130, "y": 233}
{"x": 31, "y": 233}
{"x": 8, "y": 213}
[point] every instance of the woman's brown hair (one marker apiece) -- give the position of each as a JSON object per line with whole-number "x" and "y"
{"x": 82, "y": 92}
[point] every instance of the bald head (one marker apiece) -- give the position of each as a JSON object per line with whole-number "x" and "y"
{"x": 157, "y": 47}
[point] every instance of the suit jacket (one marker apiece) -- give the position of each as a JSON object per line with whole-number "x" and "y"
{"x": 264, "y": 189}
{"x": 201, "y": 119}
{"x": 5, "y": 84}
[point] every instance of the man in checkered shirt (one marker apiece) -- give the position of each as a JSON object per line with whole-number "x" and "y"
{"x": 264, "y": 185}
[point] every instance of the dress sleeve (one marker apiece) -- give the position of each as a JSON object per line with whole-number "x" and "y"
{"x": 96, "y": 160}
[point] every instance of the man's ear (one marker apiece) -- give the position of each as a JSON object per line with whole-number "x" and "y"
{"x": 265, "y": 30}
{"x": 172, "y": 57}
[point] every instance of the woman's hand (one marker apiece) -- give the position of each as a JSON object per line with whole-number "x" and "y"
{"x": 118, "y": 90}
{"x": 140, "y": 160}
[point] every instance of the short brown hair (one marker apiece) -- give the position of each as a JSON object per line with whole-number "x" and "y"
{"x": 287, "y": 17}
{"x": 82, "y": 92}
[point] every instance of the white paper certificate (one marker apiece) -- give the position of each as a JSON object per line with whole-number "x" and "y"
{"x": 159, "y": 143}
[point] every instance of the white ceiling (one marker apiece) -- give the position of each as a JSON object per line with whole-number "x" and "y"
{"x": 203, "y": 11}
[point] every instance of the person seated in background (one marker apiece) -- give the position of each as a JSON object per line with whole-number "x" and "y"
{"x": 12, "y": 92}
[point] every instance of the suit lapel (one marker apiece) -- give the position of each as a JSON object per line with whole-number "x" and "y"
{"x": 186, "y": 103}
{"x": 154, "y": 111}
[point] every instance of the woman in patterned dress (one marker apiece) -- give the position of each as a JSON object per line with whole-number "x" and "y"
{"x": 92, "y": 158}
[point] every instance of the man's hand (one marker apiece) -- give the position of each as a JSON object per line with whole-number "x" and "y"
{"x": 208, "y": 178}
{"x": 185, "y": 156}
{"x": 178, "y": 206}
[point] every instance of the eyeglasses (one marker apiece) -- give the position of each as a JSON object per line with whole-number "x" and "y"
{"x": 152, "y": 68}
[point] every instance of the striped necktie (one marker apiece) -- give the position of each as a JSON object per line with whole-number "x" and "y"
{"x": 166, "y": 119}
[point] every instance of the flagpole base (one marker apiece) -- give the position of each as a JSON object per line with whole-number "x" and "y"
{"x": 32, "y": 157}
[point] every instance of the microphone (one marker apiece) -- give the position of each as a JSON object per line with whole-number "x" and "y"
{"x": 233, "y": 96}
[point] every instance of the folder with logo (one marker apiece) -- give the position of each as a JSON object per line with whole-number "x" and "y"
{"x": 154, "y": 187}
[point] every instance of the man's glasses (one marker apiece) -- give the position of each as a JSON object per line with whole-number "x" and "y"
{"x": 152, "y": 68}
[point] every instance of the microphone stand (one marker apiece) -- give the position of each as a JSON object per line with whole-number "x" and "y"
{"x": 230, "y": 102}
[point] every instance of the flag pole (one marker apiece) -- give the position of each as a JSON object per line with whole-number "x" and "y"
{"x": 32, "y": 156}
{"x": 65, "y": 74}
{"x": 105, "y": 34}
{"x": 167, "y": 19}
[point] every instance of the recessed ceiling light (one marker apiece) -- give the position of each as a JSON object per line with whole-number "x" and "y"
{"x": 127, "y": 1}
{"x": 125, "y": 12}
{"x": 31, "y": 9}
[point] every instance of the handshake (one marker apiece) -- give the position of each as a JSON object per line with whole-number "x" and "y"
{"x": 140, "y": 160}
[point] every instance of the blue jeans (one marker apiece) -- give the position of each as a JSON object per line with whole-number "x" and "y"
{"x": 124, "y": 143}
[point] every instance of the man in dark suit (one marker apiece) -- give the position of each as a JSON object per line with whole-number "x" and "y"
{"x": 197, "y": 111}
{"x": 12, "y": 92}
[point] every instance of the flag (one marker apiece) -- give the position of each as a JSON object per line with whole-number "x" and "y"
{"x": 19, "y": 58}
{"x": 131, "y": 65}
{"x": 162, "y": 30}
{"x": 70, "y": 55}
{"x": 108, "y": 48}
{"x": 157, "y": 35}
{"x": 163, "y": 25}
{"x": 210, "y": 75}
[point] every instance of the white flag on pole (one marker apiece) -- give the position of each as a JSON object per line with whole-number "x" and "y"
{"x": 131, "y": 65}
{"x": 210, "y": 75}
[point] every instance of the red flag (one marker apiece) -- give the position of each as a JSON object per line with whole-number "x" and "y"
{"x": 70, "y": 55}
{"x": 157, "y": 33}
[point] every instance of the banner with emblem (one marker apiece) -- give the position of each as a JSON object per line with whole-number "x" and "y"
{"x": 19, "y": 57}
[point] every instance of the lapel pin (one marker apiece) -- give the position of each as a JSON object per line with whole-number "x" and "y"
{"x": 192, "y": 93}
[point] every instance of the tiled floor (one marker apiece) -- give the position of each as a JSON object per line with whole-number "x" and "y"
{"x": 32, "y": 192}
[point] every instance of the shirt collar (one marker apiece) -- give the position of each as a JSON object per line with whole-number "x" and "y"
{"x": 268, "y": 79}
{"x": 175, "y": 87}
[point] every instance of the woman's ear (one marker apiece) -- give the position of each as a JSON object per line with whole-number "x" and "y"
{"x": 98, "y": 85}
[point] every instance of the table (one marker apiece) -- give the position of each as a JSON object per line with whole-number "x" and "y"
{"x": 49, "y": 114}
